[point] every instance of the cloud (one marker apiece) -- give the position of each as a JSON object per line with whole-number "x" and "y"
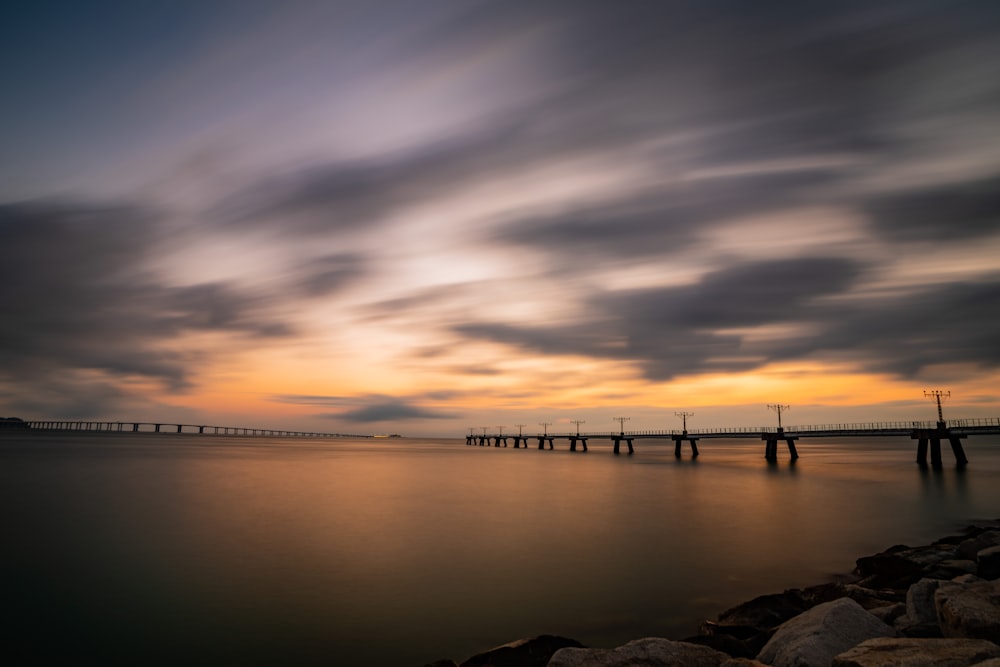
{"x": 79, "y": 298}
{"x": 955, "y": 212}
{"x": 367, "y": 408}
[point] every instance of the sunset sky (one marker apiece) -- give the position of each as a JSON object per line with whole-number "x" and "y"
{"x": 420, "y": 217}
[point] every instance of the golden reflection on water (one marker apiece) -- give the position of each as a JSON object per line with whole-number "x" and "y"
{"x": 355, "y": 551}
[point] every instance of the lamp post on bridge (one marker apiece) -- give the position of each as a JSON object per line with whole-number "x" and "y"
{"x": 779, "y": 408}
{"x": 771, "y": 448}
{"x": 578, "y": 422}
{"x": 544, "y": 437}
{"x": 684, "y": 417}
{"x": 937, "y": 394}
{"x": 621, "y": 423}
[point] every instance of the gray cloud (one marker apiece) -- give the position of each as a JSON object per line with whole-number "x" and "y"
{"x": 955, "y": 212}
{"x": 77, "y": 298}
{"x": 367, "y": 408}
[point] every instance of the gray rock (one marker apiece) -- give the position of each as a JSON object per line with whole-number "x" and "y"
{"x": 992, "y": 662}
{"x": 969, "y": 610}
{"x": 742, "y": 662}
{"x": 972, "y": 546}
{"x": 649, "y": 652}
{"x": 816, "y": 636}
{"x": 967, "y": 579}
{"x": 893, "y": 652}
{"x": 888, "y": 613}
{"x": 948, "y": 569}
{"x": 900, "y": 566}
{"x": 522, "y": 653}
{"x": 988, "y": 563}
{"x": 920, "y": 601}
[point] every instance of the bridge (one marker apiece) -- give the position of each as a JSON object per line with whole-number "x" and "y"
{"x": 153, "y": 427}
{"x": 929, "y": 436}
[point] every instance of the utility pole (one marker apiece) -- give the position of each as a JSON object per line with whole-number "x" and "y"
{"x": 545, "y": 427}
{"x": 777, "y": 407}
{"x": 577, "y": 422}
{"x": 684, "y": 416}
{"x": 937, "y": 394}
{"x": 621, "y": 422}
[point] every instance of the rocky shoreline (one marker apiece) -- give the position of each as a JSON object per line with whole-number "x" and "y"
{"x": 937, "y": 604}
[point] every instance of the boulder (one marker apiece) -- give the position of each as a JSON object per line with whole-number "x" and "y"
{"x": 969, "y": 610}
{"x": 442, "y": 663}
{"x": 904, "y": 651}
{"x": 889, "y": 613}
{"x": 766, "y": 611}
{"x": 900, "y": 566}
{"x": 816, "y": 636}
{"x": 951, "y": 568}
{"x": 649, "y": 652}
{"x": 534, "y": 652}
{"x": 988, "y": 563}
{"x": 737, "y": 648}
{"x": 742, "y": 662}
{"x": 920, "y": 619}
{"x": 983, "y": 540}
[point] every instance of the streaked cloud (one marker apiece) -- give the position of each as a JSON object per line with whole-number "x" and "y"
{"x": 360, "y": 208}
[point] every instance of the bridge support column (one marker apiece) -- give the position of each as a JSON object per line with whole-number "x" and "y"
{"x": 679, "y": 441}
{"x": 922, "y": 451}
{"x": 936, "y": 452}
{"x": 957, "y": 449}
{"x": 791, "y": 448}
{"x": 771, "y": 449}
{"x": 157, "y": 428}
{"x": 573, "y": 440}
{"x": 628, "y": 443}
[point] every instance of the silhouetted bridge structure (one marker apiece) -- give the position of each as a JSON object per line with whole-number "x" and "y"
{"x": 929, "y": 436}
{"x": 154, "y": 427}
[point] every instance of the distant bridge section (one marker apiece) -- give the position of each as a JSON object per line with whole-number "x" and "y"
{"x": 154, "y": 427}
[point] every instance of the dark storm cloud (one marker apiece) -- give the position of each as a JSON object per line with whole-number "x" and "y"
{"x": 368, "y": 408}
{"x": 77, "y": 298}
{"x": 957, "y": 212}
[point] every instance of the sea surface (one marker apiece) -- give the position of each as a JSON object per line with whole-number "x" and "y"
{"x": 185, "y": 549}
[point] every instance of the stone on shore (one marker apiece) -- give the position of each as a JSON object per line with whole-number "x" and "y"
{"x": 649, "y": 652}
{"x": 969, "y": 610}
{"x": 816, "y": 636}
{"x": 900, "y": 566}
{"x": 988, "y": 563}
{"x": 522, "y": 653}
{"x": 910, "y": 652}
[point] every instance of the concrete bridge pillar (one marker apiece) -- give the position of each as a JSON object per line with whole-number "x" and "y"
{"x": 679, "y": 440}
{"x": 933, "y": 437}
{"x": 574, "y": 439}
{"x": 618, "y": 441}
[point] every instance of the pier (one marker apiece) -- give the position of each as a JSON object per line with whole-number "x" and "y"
{"x": 154, "y": 427}
{"x": 928, "y": 435}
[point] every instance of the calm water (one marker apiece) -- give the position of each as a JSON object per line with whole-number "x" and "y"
{"x": 179, "y": 549}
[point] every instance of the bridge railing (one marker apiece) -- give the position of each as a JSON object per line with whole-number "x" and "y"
{"x": 982, "y": 421}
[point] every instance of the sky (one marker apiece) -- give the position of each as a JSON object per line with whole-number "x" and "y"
{"x": 426, "y": 218}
